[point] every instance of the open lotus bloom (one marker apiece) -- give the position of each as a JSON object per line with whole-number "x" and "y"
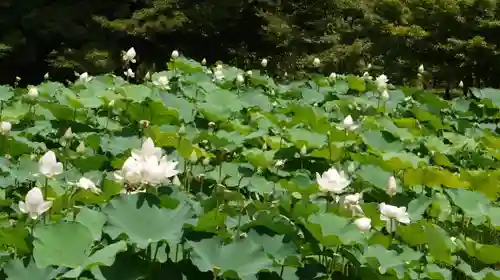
{"x": 48, "y": 165}
{"x": 332, "y": 181}
{"x": 393, "y": 214}
{"x": 348, "y": 123}
{"x": 34, "y": 204}
{"x": 87, "y": 184}
{"x": 147, "y": 166}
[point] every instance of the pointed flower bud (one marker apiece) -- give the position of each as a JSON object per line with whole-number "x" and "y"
{"x": 33, "y": 93}
{"x": 193, "y": 157}
{"x": 81, "y": 148}
{"x": 204, "y": 62}
{"x": 303, "y": 150}
{"x": 392, "y": 187}
{"x": 461, "y": 84}
{"x": 421, "y": 69}
{"x": 68, "y": 134}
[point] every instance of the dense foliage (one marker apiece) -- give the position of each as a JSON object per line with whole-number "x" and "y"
{"x": 225, "y": 174}
{"x": 454, "y": 39}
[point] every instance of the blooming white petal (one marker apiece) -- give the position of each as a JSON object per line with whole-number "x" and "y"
{"x": 84, "y": 77}
{"x": 48, "y": 165}
{"x": 34, "y": 204}
{"x": 421, "y": 69}
{"x": 348, "y": 123}
{"x": 332, "y": 181}
{"x": 391, "y": 214}
{"x": 381, "y": 82}
{"x": 147, "y": 150}
{"x": 175, "y": 54}
{"x": 129, "y": 56}
{"x": 129, "y": 73}
{"x": 87, "y": 184}
{"x": 162, "y": 82}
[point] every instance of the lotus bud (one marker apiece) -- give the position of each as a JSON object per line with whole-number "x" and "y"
{"x": 5, "y": 127}
{"x": 263, "y": 62}
{"x": 204, "y": 62}
{"x": 68, "y": 134}
{"x": 364, "y": 224}
{"x": 421, "y": 69}
{"x": 316, "y": 62}
{"x": 81, "y": 148}
{"x": 193, "y": 157}
{"x": 175, "y": 54}
{"x": 303, "y": 150}
{"x": 33, "y": 93}
{"x": 392, "y": 187}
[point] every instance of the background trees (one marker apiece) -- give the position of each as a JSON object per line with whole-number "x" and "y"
{"x": 454, "y": 39}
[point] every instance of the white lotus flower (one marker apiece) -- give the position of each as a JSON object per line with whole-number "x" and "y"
{"x": 81, "y": 148}
{"x": 385, "y": 94}
{"x": 249, "y": 73}
{"x": 68, "y": 134}
{"x": 162, "y": 82}
{"x": 392, "y": 186}
{"x": 147, "y": 166}
{"x": 204, "y": 61}
{"x": 147, "y": 150}
{"x": 421, "y": 69}
{"x": 316, "y": 62}
{"x": 131, "y": 172}
{"x": 352, "y": 201}
{"x": 218, "y": 75}
{"x": 48, "y": 165}
{"x": 34, "y": 204}
{"x": 263, "y": 62}
{"x": 393, "y": 214}
{"x": 280, "y": 163}
{"x": 129, "y": 73}
{"x": 363, "y": 224}
{"x": 369, "y": 66}
{"x": 332, "y": 181}
{"x": 381, "y": 82}
{"x": 175, "y": 54}
{"x": 303, "y": 150}
{"x": 84, "y": 77}
{"x": 156, "y": 171}
{"x": 87, "y": 184}
{"x": 46, "y": 76}
{"x": 240, "y": 79}
{"x": 176, "y": 181}
{"x": 193, "y": 157}
{"x": 367, "y": 76}
{"x": 5, "y": 127}
{"x": 129, "y": 56}
{"x": 348, "y": 123}
{"x": 333, "y": 76}
{"x": 461, "y": 84}
{"x": 33, "y": 92}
